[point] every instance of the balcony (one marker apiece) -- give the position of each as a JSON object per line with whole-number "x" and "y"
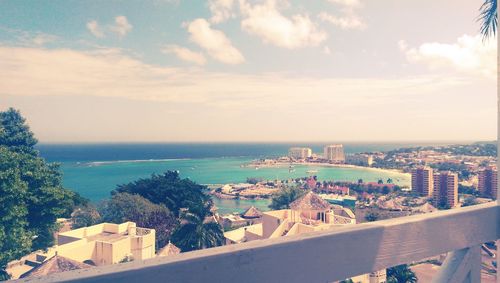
{"x": 324, "y": 256}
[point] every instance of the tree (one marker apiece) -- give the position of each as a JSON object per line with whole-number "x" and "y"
{"x": 170, "y": 190}
{"x": 124, "y": 207}
{"x": 85, "y": 216}
{"x": 283, "y": 198}
{"x": 401, "y": 274}
{"x": 372, "y": 216}
{"x": 197, "y": 231}
{"x": 389, "y": 181}
{"x": 488, "y": 18}
{"x": 360, "y": 181}
{"x": 15, "y": 133}
{"x": 380, "y": 181}
{"x": 31, "y": 192}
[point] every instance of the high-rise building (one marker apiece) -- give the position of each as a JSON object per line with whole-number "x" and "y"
{"x": 334, "y": 153}
{"x": 359, "y": 159}
{"x": 488, "y": 182}
{"x": 299, "y": 152}
{"x": 422, "y": 181}
{"x": 445, "y": 189}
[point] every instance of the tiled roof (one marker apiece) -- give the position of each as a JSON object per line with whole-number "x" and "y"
{"x": 168, "y": 250}
{"x": 55, "y": 264}
{"x": 252, "y": 212}
{"x": 310, "y": 201}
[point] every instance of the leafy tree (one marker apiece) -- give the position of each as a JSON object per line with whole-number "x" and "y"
{"x": 372, "y": 216}
{"x": 401, "y": 274}
{"x": 31, "y": 192}
{"x": 380, "y": 181}
{"x": 15, "y": 133}
{"x": 85, "y": 216}
{"x": 170, "y": 190}
{"x": 469, "y": 201}
{"x": 283, "y": 198}
{"x": 197, "y": 231}
{"x": 360, "y": 181}
{"x": 489, "y": 18}
{"x": 124, "y": 207}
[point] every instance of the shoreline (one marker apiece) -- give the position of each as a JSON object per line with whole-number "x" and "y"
{"x": 286, "y": 164}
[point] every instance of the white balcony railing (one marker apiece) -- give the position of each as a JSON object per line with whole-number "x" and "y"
{"x": 324, "y": 256}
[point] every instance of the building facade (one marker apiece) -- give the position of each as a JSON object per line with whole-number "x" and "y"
{"x": 334, "y": 153}
{"x": 445, "y": 189}
{"x": 299, "y": 152}
{"x": 359, "y": 159}
{"x": 488, "y": 182}
{"x": 422, "y": 181}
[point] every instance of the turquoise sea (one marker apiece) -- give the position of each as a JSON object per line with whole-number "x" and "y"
{"x": 95, "y": 170}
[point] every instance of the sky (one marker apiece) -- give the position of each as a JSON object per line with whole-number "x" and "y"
{"x": 248, "y": 71}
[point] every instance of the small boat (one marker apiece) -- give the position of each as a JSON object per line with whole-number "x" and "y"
{"x": 311, "y": 171}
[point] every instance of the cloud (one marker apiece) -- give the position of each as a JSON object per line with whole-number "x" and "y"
{"x": 265, "y": 21}
{"x": 111, "y": 73}
{"x": 348, "y": 21}
{"x": 221, "y": 10}
{"x": 468, "y": 54}
{"x": 94, "y": 28}
{"x": 215, "y": 42}
{"x": 185, "y": 54}
{"x": 347, "y": 3}
{"x": 121, "y": 26}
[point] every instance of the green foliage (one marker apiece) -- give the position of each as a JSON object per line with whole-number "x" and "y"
{"x": 85, "y": 216}
{"x": 15, "y": 133}
{"x": 469, "y": 201}
{"x": 197, "y": 231}
{"x": 372, "y": 216}
{"x": 31, "y": 192}
{"x": 124, "y": 207}
{"x": 283, "y": 198}
{"x": 470, "y": 190}
{"x": 170, "y": 190}
{"x": 461, "y": 169}
{"x": 488, "y": 18}
{"x": 401, "y": 274}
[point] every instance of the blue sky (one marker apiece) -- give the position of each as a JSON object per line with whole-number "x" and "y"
{"x": 241, "y": 70}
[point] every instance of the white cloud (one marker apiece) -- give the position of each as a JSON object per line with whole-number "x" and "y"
{"x": 121, "y": 26}
{"x": 94, "y": 28}
{"x": 185, "y": 54}
{"x": 347, "y": 3}
{"x": 215, "y": 42}
{"x": 326, "y": 50}
{"x": 265, "y": 21}
{"x": 468, "y": 54}
{"x": 221, "y": 10}
{"x": 348, "y": 21}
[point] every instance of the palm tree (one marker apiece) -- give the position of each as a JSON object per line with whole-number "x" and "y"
{"x": 198, "y": 231}
{"x": 488, "y": 18}
{"x": 401, "y": 274}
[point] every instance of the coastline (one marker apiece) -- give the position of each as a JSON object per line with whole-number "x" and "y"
{"x": 286, "y": 164}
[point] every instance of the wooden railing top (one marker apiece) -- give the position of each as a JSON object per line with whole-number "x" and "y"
{"x": 323, "y": 256}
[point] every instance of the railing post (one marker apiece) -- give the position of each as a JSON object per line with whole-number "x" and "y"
{"x": 461, "y": 266}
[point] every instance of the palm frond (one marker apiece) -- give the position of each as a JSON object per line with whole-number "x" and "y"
{"x": 489, "y": 18}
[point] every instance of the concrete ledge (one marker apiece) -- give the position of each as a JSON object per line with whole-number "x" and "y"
{"x": 315, "y": 257}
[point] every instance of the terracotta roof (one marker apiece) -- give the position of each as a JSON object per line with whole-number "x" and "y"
{"x": 55, "y": 264}
{"x": 168, "y": 250}
{"x": 252, "y": 212}
{"x": 310, "y": 201}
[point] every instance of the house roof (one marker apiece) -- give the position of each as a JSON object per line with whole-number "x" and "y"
{"x": 310, "y": 201}
{"x": 252, "y": 212}
{"x": 55, "y": 264}
{"x": 168, "y": 250}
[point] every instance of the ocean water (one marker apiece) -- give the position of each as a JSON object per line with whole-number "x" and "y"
{"x": 94, "y": 170}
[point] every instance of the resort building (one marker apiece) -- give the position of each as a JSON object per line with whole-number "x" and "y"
{"x": 422, "y": 181}
{"x": 299, "y": 152}
{"x": 334, "y": 153}
{"x": 101, "y": 244}
{"x": 309, "y": 213}
{"x": 445, "y": 189}
{"x": 360, "y": 159}
{"x": 487, "y": 182}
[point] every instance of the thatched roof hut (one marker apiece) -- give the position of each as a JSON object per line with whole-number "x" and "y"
{"x": 168, "y": 250}
{"x": 310, "y": 201}
{"x": 252, "y": 213}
